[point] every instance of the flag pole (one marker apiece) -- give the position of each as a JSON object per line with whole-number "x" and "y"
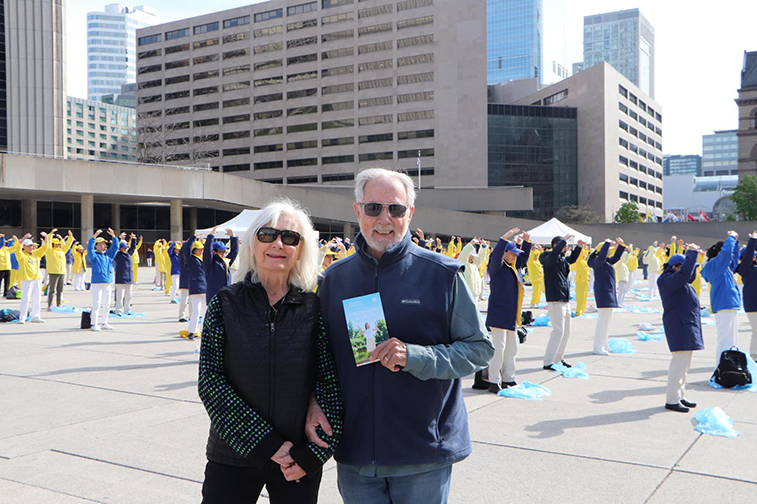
{"x": 418, "y": 164}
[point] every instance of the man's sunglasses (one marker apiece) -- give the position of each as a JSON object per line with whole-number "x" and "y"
{"x": 269, "y": 235}
{"x": 374, "y": 209}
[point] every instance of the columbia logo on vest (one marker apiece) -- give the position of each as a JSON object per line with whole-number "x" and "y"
{"x": 411, "y": 301}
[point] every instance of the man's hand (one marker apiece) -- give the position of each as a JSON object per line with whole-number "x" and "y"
{"x": 314, "y": 418}
{"x": 734, "y": 234}
{"x": 753, "y": 234}
{"x": 111, "y": 233}
{"x": 567, "y": 237}
{"x": 293, "y": 473}
{"x": 526, "y": 237}
{"x": 620, "y": 241}
{"x": 581, "y": 243}
{"x": 282, "y": 456}
{"x": 419, "y": 232}
{"x": 510, "y": 233}
{"x": 392, "y": 354}
{"x": 229, "y": 233}
{"x": 70, "y": 233}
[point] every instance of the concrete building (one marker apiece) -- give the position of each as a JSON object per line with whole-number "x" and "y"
{"x": 689, "y": 194}
{"x": 32, "y": 76}
{"x": 127, "y": 97}
{"x": 302, "y": 93}
{"x": 525, "y": 39}
{"x": 720, "y": 154}
{"x": 690, "y": 164}
{"x": 619, "y": 138}
{"x": 111, "y": 47}
{"x": 625, "y": 39}
{"x": 97, "y": 130}
{"x": 747, "y": 102}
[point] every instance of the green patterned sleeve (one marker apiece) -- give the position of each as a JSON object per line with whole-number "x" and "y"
{"x": 234, "y": 420}
{"x": 329, "y": 397}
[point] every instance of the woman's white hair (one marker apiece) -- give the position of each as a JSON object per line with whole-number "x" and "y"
{"x": 305, "y": 272}
{"x": 369, "y": 174}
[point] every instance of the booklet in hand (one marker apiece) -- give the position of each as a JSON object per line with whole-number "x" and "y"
{"x": 366, "y": 325}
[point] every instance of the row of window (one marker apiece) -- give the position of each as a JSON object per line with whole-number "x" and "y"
{"x": 638, "y": 150}
{"x": 636, "y": 166}
{"x": 633, "y": 115}
{"x": 638, "y": 102}
{"x": 640, "y": 183}
{"x": 639, "y": 199}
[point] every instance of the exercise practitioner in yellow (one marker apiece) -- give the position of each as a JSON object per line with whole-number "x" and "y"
{"x": 80, "y": 267}
{"x": 158, "y": 248}
{"x": 56, "y": 267}
{"x": 583, "y": 273}
{"x": 135, "y": 259}
{"x": 28, "y": 273}
{"x": 5, "y": 264}
{"x": 535, "y": 274}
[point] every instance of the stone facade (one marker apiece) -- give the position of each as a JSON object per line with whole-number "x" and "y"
{"x": 747, "y": 102}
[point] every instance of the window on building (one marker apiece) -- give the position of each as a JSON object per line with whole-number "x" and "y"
{"x": 375, "y": 102}
{"x": 302, "y": 8}
{"x": 332, "y": 142}
{"x": 206, "y": 28}
{"x": 175, "y": 34}
{"x": 272, "y": 14}
{"x": 237, "y": 21}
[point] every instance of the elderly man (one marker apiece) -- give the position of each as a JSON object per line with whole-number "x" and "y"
{"x": 405, "y": 420}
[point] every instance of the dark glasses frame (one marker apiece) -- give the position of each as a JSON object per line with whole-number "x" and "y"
{"x": 269, "y": 235}
{"x": 396, "y": 210}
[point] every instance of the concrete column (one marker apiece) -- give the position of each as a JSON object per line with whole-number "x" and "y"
{"x": 347, "y": 230}
{"x": 29, "y": 218}
{"x": 115, "y": 216}
{"x": 192, "y": 220}
{"x": 176, "y": 220}
{"x": 87, "y": 217}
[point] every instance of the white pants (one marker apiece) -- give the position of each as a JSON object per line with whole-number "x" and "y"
{"x": 622, "y": 291}
{"x": 559, "y": 315}
{"x": 31, "y": 293}
{"x": 69, "y": 270}
{"x": 632, "y": 277}
{"x": 123, "y": 298}
{"x": 679, "y": 366}
{"x": 149, "y": 262}
{"x": 198, "y": 310}
{"x": 183, "y": 302}
{"x": 591, "y": 280}
{"x": 100, "y": 303}
{"x": 602, "y": 328}
{"x": 752, "y": 316}
{"x": 79, "y": 281}
{"x": 174, "y": 286}
{"x": 727, "y": 324}
{"x": 652, "y": 288}
{"x": 502, "y": 365}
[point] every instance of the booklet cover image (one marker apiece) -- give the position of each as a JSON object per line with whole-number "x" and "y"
{"x": 366, "y": 325}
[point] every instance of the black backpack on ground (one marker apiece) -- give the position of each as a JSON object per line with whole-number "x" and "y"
{"x": 11, "y": 294}
{"x": 732, "y": 369}
{"x": 86, "y": 320}
{"x": 526, "y": 318}
{"x": 522, "y": 334}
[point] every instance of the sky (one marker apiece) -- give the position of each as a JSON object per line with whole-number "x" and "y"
{"x": 699, "y": 54}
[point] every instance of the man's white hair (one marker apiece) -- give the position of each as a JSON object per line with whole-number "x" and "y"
{"x": 381, "y": 173}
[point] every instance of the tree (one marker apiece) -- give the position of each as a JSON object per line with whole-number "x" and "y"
{"x": 745, "y": 197}
{"x": 574, "y": 214}
{"x": 628, "y": 213}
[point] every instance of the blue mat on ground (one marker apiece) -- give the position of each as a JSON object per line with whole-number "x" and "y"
{"x": 706, "y": 312}
{"x": 572, "y": 296}
{"x": 129, "y": 315}
{"x": 620, "y": 345}
{"x": 28, "y": 319}
{"x": 715, "y": 422}
{"x": 66, "y": 309}
{"x": 645, "y": 336}
{"x": 526, "y": 390}
{"x": 577, "y": 371}
{"x": 541, "y": 305}
{"x": 542, "y": 321}
{"x": 707, "y": 321}
{"x": 643, "y": 298}
{"x": 752, "y": 367}
{"x": 642, "y": 309}
{"x": 586, "y": 315}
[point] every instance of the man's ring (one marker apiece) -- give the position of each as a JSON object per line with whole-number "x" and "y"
{"x": 386, "y": 358}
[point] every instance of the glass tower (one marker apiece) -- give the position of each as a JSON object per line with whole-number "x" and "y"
{"x": 720, "y": 153}
{"x": 625, "y": 40}
{"x": 525, "y": 39}
{"x": 682, "y": 165}
{"x": 111, "y": 47}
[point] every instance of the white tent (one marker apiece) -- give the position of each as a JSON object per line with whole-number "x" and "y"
{"x": 543, "y": 234}
{"x": 238, "y": 224}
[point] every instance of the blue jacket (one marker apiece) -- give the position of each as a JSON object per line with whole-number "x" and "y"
{"x": 681, "y": 317}
{"x": 748, "y": 271}
{"x": 197, "y": 282}
{"x": 123, "y": 265}
{"x": 14, "y": 262}
{"x": 183, "y": 268}
{"x": 505, "y": 286}
{"x": 102, "y": 264}
{"x": 175, "y": 265}
{"x": 724, "y": 295}
{"x": 70, "y": 255}
{"x": 556, "y": 272}
{"x": 604, "y": 276}
{"x": 218, "y": 274}
{"x": 395, "y": 418}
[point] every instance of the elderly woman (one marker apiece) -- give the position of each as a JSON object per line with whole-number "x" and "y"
{"x": 264, "y": 359}
{"x": 604, "y": 290}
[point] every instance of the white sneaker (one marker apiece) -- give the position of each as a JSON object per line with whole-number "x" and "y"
{"x": 601, "y": 351}
{"x": 21, "y": 321}
{"x": 107, "y": 327}
{"x": 95, "y": 328}
{"x": 37, "y": 320}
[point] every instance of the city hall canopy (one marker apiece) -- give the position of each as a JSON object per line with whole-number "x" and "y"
{"x": 543, "y": 234}
{"x": 238, "y": 224}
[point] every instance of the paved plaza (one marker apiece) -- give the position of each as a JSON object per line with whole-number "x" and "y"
{"x": 114, "y": 417}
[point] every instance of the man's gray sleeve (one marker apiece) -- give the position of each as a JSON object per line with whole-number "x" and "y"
{"x": 471, "y": 348}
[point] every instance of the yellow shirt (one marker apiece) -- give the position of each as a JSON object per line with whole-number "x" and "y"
{"x": 535, "y": 269}
{"x": 56, "y": 257}
{"x": 158, "y": 250}
{"x": 5, "y": 258}
{"x": 80, "y": 266}
{"x": 581, "y": 266}
{"x": 28, "y": 264}
{"x": 135, "y": 255}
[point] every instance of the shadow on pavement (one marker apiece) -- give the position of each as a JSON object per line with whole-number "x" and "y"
{"x": 554, "y": 428}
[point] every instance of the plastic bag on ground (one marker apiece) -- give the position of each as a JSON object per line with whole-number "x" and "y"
{"x": 708, "y": 321}
{"x": 587, "y": 315}
{"x": 645, "y": 336}
{"x": 706, "y": 312}
{"x": 65, "y": 309}
{"x": 643, "y": 298}
{"x": 620, "y": 345}
{"x": 129, "y": 315}
{"x": 542, "y": 320}
{"x": 526, "y": 390}
{"x": 751, "y": 367}
{"x": 577, "y": 371}
{"x": 715, "y": 422}
{"x": 646, "y": 327}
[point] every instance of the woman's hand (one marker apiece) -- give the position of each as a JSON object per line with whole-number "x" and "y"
{"x": 282, "y": 456}
{"x": 316, "y": 417}
{"x": 293, "y": 472}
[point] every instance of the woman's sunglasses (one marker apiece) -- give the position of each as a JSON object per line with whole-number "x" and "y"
{"x": 374, "y": 209}
{"x": 288, "y": 237}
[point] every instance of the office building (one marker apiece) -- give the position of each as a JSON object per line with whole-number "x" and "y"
{"x": 747, "y": 102}
{"x": 127, "y": 97}
{"x": 32, "y": 76}
{"x": 690, "y": 194}
{"x": 525, "y": 39}
{"x": 97, "y": 130}
{"x": 311, "y": 93}
{"x": 682, "y": 165}
{"x": 720, "y": 154}
{"x": 535, "y": 146}
{"x": 624, "y": 39}
{"x": 619, "y": 137}
{"x": 578, "y": 67}
{"x": 111, "y": 47}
